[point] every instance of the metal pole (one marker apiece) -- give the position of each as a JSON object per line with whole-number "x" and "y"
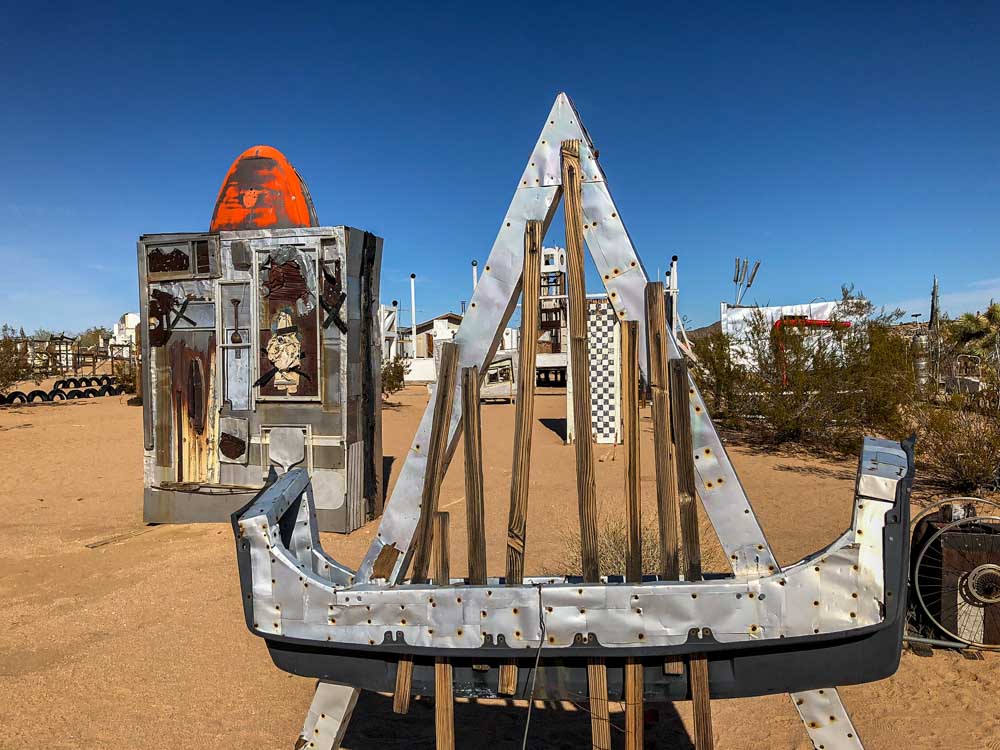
{"x": 475, "y": 275}
{"x": 413, "y": 313}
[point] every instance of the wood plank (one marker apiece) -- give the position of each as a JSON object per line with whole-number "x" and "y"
{"x": 524, "y": 416}
{"x": 524, "y": 413}
{"x": 404, "y": 680}
{"x": 597, "y": 675}
{"x": 633, "y": 704}
{"x": 580, "y": 359}
{"x": 436, "y": 450}
{"x": 630, "y": 422}
{"x": 600, "y": 722}
{"x": 444, "y": 705}
{"x": 473, "y": 442}
{"x": 442, "y": 566}
{"x": 700, "y": 702}
{"x": 680, "y": 397}
{"x": 667, "y": 501}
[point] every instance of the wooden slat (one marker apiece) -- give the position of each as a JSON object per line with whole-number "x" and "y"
{"x": 667, "y": 501}
{"x": 524, "y": 416}
{"x": 580, "y": 359}
{"x": 586, "y": 490}
{"x": 633, "y": 704}
{"x": 680, "y": 403}
{"x": 404, "y": 679}
{"x": 444, "y": 705}
{"x": 630, "y": 421}
{"x": 700, "y": 702}
{"x": 436, "y": 449}
{"x": 442, "y": 567}
{"x": 473, "y": 443}
{"x": 600, "y": 722}
{"x": 680, "y": 397}
{"x": 524, "y": 413}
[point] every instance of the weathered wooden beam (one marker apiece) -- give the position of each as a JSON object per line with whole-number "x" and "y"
{"x": 633, "y": 704}
{"x": 680, "y": 397}
{"x": 697, "y": 664}
{"x": 444, "y": 705}
{"x": 586, "y": 489}
{"x": 524, "y": 417}
{"x": 524, "y": 413}
{"x": 700, "y": 702}
{"x": 580, "y": 359}
{"x": 473, "y": 442}
{"x": 600, "y": 721}
{"x": 404, "y": 680}
{"x": 667, "y": 501}
{"x": 630, "y": 422}
{"x": 442, "y": 566}
{"x": 436, "y": 450}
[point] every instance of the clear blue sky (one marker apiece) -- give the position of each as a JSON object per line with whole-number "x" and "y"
{"x": 851, "y": 143}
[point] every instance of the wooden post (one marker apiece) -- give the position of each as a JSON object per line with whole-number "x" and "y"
{"x": 633, "y": 704}
{"x": 597, "y": 675}
{"x": 633, "y": 510}
{"x": 524, "y": 417}
{"x": 630, "y": 409}
{"x": 524, "y": 413}
{"x": 473, "y": 441}
{"x": 680, "y": 391}
{"x": 404, "y": 679}
{"x": 444, "y": 702}
{"x": 444, "y": 705}
{"x": 680, "y": 406}
{"x": 436, "y": 449}
{"x": 667, "y": 501}
{"x": 580, "y": 359}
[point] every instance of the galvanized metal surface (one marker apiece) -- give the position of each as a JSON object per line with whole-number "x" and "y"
{"x": 837, "y": 591}
{"x": 826, "y": 720}
{"x": 328, "y": 716}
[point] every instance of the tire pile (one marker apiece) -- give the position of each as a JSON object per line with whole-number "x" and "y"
{"x": 68, "y": 389}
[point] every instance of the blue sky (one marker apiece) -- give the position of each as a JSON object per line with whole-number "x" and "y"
{"x": 844, "y": 143}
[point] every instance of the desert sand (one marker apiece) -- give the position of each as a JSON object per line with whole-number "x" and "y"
{"x": 123, "y": 635}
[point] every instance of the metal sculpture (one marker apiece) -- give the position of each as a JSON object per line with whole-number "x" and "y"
{"x": 835, "y": 617}
{"x": 261, "y": 353}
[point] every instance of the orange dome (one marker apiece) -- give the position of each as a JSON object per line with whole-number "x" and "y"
{"x": 262, "y": 190}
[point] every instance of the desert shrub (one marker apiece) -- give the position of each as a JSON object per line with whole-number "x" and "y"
{"x": 15, "y": 364}
{"x": 959, "y": 447}
{"x": 393, "y": 375}
{"x": 612, "y": 546}
{"x": 822, "y": 387}
{"x": 125, "y": 376}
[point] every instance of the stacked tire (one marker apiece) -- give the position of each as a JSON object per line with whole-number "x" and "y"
{"x": 67, "y": 389}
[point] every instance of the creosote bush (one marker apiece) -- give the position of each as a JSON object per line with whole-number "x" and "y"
{"x": 394, "y": 373}
{"x": 823, "y": 387}
{"x": 959, "y": 448}
{"x": 15, "y": 364}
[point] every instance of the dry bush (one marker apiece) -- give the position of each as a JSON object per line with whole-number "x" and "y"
{"x": 959, "y": 448}
{"x": 612, "y": 546}
{"x": 394, "y": 373}
{"x": 124, "y": 373}
{"x": 15, "y": 364}
{"x": 823, "y": 388}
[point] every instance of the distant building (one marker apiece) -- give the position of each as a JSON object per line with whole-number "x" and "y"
{"x": 123, "y": 333}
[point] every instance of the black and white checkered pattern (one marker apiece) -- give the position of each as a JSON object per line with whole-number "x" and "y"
{"x": 603, "y": 370}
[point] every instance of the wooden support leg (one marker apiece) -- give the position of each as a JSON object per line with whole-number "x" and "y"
{"x": 329, "y": 714}
{"x": 444, "y": 705}
{"x": 523, "y": 423}
{"x": 701, "y": 702}
{"x": 580, "y": 362}
{"x": 600, "y": 722}
{"x": 633, "y": 705}
{"x": 404, "y": 680}
{"x": 444, "y": 397}
{"x": 473, "y": 442}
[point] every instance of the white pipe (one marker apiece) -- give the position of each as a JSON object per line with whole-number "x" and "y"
{"x": 475, "y": 275}
{"x": 413, "y": 313}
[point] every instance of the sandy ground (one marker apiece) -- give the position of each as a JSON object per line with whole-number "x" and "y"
{"x": 138, "y": 640}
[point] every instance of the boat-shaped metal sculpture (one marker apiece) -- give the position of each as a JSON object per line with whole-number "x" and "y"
{"x": 833, "y": 618}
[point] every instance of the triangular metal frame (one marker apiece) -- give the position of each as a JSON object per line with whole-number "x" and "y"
{"x": 537, "y": 197}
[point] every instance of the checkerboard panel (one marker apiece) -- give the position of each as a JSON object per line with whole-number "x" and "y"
{"x": 603, "y": 370}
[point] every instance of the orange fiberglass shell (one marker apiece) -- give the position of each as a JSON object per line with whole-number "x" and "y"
{"x": 262, "y": 190}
